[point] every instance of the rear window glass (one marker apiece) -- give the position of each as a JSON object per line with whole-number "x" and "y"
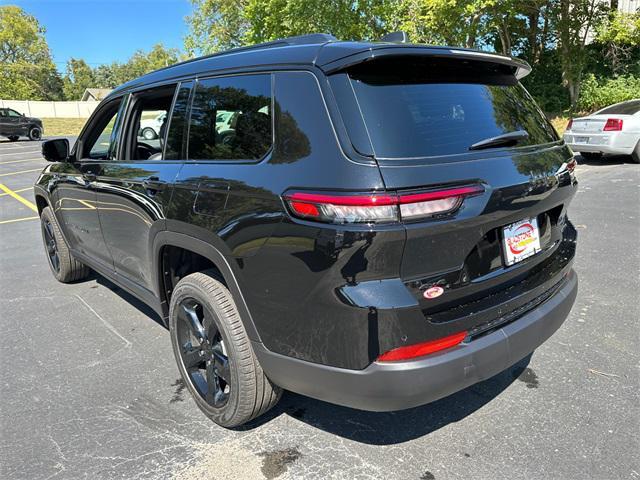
{"x": 426, "y": 107}
{"x": 231, "y": 118}
{"x": 627, "y": 108}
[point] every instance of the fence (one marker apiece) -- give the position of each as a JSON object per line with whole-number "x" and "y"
{"x": 51, "y": 109}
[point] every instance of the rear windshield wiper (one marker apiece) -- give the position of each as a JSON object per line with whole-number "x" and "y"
{"x": 505, "y": 140}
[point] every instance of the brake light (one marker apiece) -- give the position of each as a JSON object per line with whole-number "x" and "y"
{"x": 377, "y": 207}
{"x": 422, "y": 349}
{"x": 570, "y": 124}
{"x": 613, "y": 125}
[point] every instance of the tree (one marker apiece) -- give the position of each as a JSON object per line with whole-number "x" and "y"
{"x": 620, "y": 36}
{"x": 216, "y": 25}
{"x": 576, "y": 22}
{"x": 79, "y": 77}
{"x": 27, "y": 71}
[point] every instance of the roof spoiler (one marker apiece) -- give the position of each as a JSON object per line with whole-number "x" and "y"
{"x": 520, "y": 68}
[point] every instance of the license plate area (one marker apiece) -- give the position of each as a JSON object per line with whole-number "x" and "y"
{"x": 520, "y": 240}
{"x": 582, "y": 140}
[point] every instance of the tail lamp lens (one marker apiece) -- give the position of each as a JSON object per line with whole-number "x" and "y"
{"x": 613, "y": 125}
{"x": 421, "y": 349}
{"x": 377, "y": 208}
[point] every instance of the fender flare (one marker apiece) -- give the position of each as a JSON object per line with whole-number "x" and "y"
{"x": 168, "y": 238}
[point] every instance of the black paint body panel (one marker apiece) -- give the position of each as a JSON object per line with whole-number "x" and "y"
{"x": 337, "y": 295}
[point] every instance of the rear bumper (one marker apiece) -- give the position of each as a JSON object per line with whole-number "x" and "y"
{"x": 616, "y": 143}
{"x": 400, "y": 385}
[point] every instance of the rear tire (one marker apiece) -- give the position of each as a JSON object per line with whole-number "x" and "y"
{"x": 214, "y": 353}
{"x": 635, "y": 155}
{"x": 62, "y": 263}
{"x": 13, "y": 138}
{"x": 35, "y": 133}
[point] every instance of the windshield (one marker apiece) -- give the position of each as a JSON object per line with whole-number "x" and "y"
{"x": 422, "y": 108}
{"x": 626, "y": 108}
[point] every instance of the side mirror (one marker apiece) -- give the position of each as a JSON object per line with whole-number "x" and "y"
{"x": 56, "y": 150}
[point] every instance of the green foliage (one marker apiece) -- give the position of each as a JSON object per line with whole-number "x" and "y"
{"x": 598, "y": 94}
{"x": 81, "y": 76}
{"x": 26, "y": 68}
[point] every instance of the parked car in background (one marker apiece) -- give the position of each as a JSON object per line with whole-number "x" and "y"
{"x": 614, "y": 129}
{"x": 150, "y": 128}
{"x": 385, "y": 224}
{"x": 14, "y": 125}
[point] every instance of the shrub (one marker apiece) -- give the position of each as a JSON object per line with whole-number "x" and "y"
{"x": 595, "y": 94}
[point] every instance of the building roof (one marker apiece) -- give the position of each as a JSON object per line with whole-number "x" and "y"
{"x": 95, "y": 93}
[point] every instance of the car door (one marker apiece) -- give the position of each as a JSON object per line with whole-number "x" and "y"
{"x": 75, "y": 193}
{"x": 5, "y": 125}
{"x": 17, "y": 121}
{"x": 134, "y": 190}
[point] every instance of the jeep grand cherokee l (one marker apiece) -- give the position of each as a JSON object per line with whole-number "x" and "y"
{"x": 381, "y": 225}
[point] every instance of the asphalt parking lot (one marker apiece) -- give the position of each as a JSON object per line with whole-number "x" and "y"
{"x": 89, "y": 386}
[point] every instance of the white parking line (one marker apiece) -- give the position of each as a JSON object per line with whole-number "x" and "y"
{"x": 20, "y": 152}
{"x": 21, "y": 161}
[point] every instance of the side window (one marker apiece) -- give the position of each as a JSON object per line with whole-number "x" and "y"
{"x": 177, "y": 123}
{"x": 13, "y": 113}
{"x": 231, "y": 118}
{"x": 102, "y": 139}
{"x": 147, "y": 123}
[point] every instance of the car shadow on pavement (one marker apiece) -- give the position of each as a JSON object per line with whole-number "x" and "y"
{"x": 389, "y": 428}
{"x": 604, "y": 160}
{"x": 126, "y": 296}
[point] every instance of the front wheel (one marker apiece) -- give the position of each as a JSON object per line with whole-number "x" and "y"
{"x": 63, "y": 265}
{"x": 149, "y": 134}
{"x": 13, "y": 138}
{"x": 35, "y": 133}
{"x": 214, "y": 353}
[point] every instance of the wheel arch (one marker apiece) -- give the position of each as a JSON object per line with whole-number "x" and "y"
{"x": 168, "y": 239}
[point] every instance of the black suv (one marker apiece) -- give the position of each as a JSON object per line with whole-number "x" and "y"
{"x": 14, "y": 125}
{"x": 377, "y": 225}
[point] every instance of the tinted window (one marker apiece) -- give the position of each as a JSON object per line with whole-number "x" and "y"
{"x": 173, "y": 147}
{"x": 102, "y": 140}
{"x": 231, "y": 118}
{"x": 627, "y": 108}
{"x": 421, "y": 108}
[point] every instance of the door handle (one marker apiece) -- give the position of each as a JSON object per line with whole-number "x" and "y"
{"x": 154, "y": 184}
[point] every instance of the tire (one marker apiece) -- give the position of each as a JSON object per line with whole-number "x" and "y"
{"x": 635, "y": 155}
{"x": 13, "y": 138}
{"x": 149, "y": 134}
{"x": 210, "y": 343}
{"x": 591, "y": 155}
{"x": 35, "y": 133}
{"x": 62, "y": 263}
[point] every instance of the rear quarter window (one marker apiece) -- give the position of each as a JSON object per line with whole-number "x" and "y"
{"x": 426, "y": 107}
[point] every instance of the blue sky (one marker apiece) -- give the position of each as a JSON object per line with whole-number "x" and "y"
{"x": 103, "y": 31}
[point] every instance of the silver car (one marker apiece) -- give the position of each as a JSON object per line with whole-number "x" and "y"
{"x": 614, "y": 129}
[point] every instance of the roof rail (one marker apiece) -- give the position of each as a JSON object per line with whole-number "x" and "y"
{"x": 308, "y": 39}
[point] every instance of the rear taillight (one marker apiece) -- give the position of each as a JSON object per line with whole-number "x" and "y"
{"x": 613, "y": 125}
{"x": 377, "y": 207}
{"x": 422, "y": 349}
{"x": 569, "y": 125}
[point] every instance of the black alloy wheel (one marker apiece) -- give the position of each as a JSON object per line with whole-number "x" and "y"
{"x": 203, "y": 353}
{"x": 51, "y": 245}
{"x": 214, "y": 353}
{"x": 35, "y": 133}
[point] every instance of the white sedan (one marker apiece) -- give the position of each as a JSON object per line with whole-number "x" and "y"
{"x": 614, "y": 129}
{"x": 150, "y": 128}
